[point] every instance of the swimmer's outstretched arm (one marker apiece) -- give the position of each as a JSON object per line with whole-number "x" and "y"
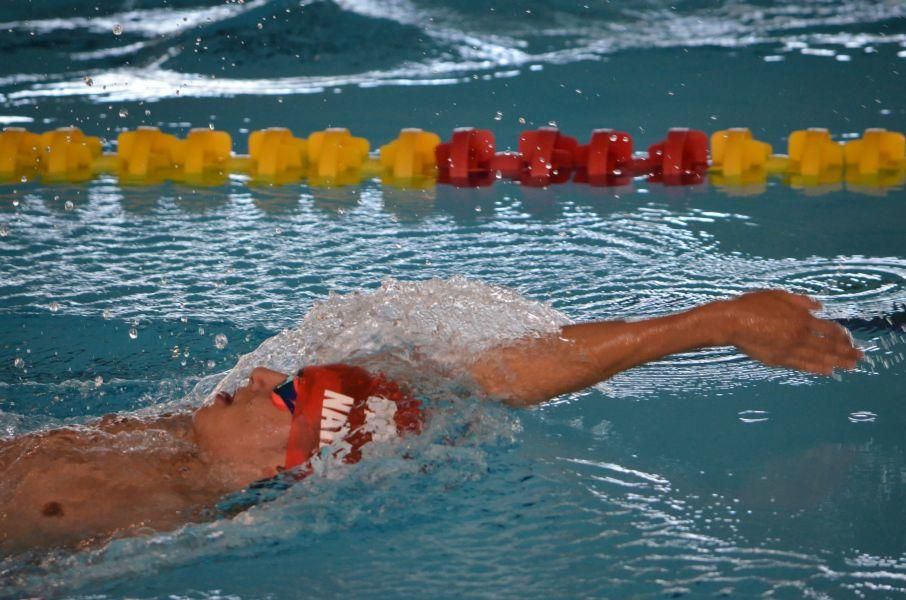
{"x": 774, "y": 326}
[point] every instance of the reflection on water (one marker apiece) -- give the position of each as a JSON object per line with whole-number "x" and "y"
{"x": 336, "y": 201}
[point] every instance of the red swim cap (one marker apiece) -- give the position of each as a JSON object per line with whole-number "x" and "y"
{"x": 351, "y": 407}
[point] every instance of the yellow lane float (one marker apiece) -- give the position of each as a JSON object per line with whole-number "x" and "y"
{"x": 410, "y": 158}
{"x": 277, "y": 154}
{"x": 146, "y": 153}
{"x": 19, "y": 152}
{"x": 67, "y": 154}
{"x": 878, "y": 151}
{"x": 336, "y": 157}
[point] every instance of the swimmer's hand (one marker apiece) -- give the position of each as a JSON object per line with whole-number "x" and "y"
{"x": 779, "y": 329}
{"x": 775, "y": 327}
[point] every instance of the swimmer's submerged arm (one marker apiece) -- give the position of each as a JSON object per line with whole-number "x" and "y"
{"x": 773, "y": 326}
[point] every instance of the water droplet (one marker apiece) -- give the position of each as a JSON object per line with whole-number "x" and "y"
{"x": 211, "y": 126}
{"x": 23, "y": 179}
{"x": 106, "y": 313}
{"x": 54, "y": 306}
{"x": 147, "y": 112}
{"x": 123, "y": 113}
{"x": 260, "y": 25}
{"x": 4, "y": 230}
{"x": 118, "y": 29}
{"x": 88, "y": 81}
{"x": 15, "y": 203}
{"x": 201, "y": 331}
{"x": 68, "y": 205}
{"x": 19, "y": 363}
{"x": 220, "y": 341}
{"x": 98, "y": 381}
{"x": 522, "y": 120}
{"x": 278, "y": 230}
{"x": 133, "y": 333}
{"x": 210, "y": 364}
{"x": 498, "y": 116}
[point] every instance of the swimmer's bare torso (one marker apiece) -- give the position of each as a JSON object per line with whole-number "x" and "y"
{"x": 126, "y": 475}
{"x": 118, "y": 475}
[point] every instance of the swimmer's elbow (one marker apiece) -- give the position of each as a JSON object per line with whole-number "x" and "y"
{"x": 506, "y": 392}
{"x": 506, "y": 380}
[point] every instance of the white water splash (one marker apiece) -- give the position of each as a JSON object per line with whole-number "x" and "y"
{"x": 433, "y": 326}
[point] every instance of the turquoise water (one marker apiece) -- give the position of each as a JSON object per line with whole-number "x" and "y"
{"x": 703, "y": 474}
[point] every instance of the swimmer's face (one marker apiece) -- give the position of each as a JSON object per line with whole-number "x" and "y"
{"x": 246, "y": 430}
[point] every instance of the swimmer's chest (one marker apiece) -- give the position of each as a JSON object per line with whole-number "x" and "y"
{"x": 61, "y": 500}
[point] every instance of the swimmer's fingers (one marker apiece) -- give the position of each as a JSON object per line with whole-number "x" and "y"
{"x": 833, "y": 339}
{"x": 830, "y": 331}
{"x": 820, "y": 360}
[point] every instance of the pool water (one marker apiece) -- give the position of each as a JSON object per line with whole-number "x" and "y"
{"x": 702, "y": 474}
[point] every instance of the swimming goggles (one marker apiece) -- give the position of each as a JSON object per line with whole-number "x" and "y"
{"x": 284, "y": 396}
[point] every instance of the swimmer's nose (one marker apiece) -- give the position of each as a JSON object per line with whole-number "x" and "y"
{"x": 256, "y": 379}
{"x": 261, "y": 379}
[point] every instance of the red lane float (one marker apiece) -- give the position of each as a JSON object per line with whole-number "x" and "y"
{"x": 465, "y": 161}
{"x": 679, "y": 159}
{"x": 546, "y": 156}
{"x": 606, "y": 160}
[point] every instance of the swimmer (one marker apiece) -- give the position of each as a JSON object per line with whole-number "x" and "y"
{"x": 81, "y": 486}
